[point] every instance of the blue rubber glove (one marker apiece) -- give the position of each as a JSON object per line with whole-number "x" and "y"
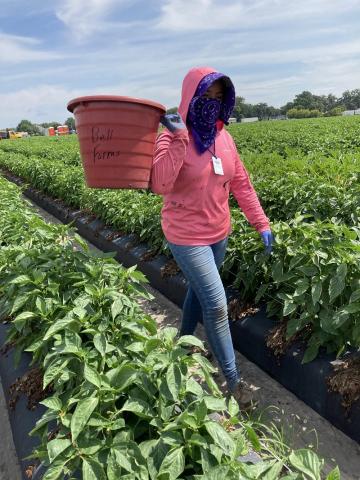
{"x": 268, "y": 239}
{"x": 173, "y": 122}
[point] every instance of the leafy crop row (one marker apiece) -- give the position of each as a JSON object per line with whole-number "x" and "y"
{"x": 311, "y": 281}
{"x": 127, "y": 400}
{"x": 314, "y": 185}
{"x": 323, "y": 136}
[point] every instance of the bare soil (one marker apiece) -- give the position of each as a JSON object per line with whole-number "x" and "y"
{"x": 346, "y": 381}
{"x": 30, "y": 385}
{"x": 169, "y": 269}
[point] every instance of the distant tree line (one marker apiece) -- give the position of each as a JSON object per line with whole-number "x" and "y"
{"x": 304, "y": 105}
{"x": 33, "y": 129}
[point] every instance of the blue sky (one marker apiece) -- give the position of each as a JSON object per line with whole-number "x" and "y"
{"x": 51, "y": 52}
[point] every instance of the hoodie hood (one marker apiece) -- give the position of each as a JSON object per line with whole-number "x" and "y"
{"x": 190, "y": 85}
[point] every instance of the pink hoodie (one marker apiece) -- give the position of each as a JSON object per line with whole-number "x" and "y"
{"x": 196, "y": 200}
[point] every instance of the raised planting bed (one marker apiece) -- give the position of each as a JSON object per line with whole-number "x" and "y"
{"x": 307, "y": 381}
{"x": 310, "y": 282}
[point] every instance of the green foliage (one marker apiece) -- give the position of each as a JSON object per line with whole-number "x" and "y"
{"x": 351, "y": 99}
{"x": 70, "y": 122}
{"x": 335, "y": 111}
{"x": 127, "y": 399}
{"x": 306, "y": 174}
{"x": 27, "y": 126}
{"x": 50, "y": 124}
{"x": 326, "y": 137}
{"x": 310, "y": 281}
{"x": 303, "y": 113}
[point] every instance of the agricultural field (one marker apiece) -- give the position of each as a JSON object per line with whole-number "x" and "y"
{"x": 306, "y": 173}
{"x": 123, "y": 399}
{"x": 92, "y": 335}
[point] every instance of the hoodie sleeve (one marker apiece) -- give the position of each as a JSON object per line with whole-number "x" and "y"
{"x": 246, "y": 197}
{"x": 170, "y": 151}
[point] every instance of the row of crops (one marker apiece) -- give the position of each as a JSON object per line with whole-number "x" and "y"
{"x": 124, "y": 399}
{"x": 307, "y": 176}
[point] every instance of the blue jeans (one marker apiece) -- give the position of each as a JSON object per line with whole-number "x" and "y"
{"x": 206, "y": 300}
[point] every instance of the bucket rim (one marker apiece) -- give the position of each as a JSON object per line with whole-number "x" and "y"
{"x": 113, "y": 98}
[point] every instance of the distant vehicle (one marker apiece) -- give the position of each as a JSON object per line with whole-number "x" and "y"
{"x": 10, "y": 134}
{"x": 62, "y": 130}
{"x": 249, "y": 119}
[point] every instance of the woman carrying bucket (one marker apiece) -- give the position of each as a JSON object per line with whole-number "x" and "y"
{"x": 196, "y": 166}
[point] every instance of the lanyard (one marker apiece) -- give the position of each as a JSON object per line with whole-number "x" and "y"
{"x": 217, "y": 165}
{"x": 213, "y": 153}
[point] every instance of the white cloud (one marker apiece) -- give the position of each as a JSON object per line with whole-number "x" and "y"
{"x": 86, "y": 17}
{"x": 45, "y": 103}
{"x": 38, "y": 104}
{"x": 330, "y": 52}
{"x": 335, "y": 77}
{"x": 187, "y": 15}
{"x": 321, "y": 78}
{"x": 17, "y": 49}
{"x": 321, "y": 69}
{"x": 268, "y": 62}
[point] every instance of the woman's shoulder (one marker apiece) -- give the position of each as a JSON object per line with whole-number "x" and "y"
{"x": 226, "y": 137}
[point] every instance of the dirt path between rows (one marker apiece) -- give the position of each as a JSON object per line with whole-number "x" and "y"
{"x": 303, "y": 426}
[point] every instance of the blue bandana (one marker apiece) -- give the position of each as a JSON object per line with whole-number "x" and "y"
{"x": 204, "y": 112}
{"x": 202, "y": 116}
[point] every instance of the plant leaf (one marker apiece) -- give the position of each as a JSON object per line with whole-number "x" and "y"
{"x": 310, "y": 353}
{"x": 92, "y": 375}
{"x": 173, "y": 380}
{"x": 57, "y": 446}
{"x": 81, "y": 415}
{"x": 100, "y": 343}
{"x": 334, "y": 474}
{"x": 139, "y": 407}
{"x": 116, "y": 308}
{"x": 92, "y": 470}
{"x": 337, "y": 282}
{"x": 190, "y": 340}
{"x": 57, "y": 326}
{"x": 289, "y": 307}
{"x": 54, "y": 472}
{"x": 253, "y": 437}
{"x": 316, "y": 290}
{"x": 221, "y": 438}
{"x": 54, "y": 369}
{"x": 173, "y": 464}
{"x": 306, "y": 461}
{"x": 53, "y": 403}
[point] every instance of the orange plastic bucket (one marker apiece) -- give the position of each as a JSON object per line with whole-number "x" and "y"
{"x": 117, "y": 138}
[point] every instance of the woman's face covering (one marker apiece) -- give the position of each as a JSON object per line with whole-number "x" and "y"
{"x": 215, "y": 91}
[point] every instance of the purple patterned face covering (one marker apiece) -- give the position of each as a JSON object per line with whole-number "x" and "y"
{"x": 204, "y": 112}
{"x": 202, "y": 116}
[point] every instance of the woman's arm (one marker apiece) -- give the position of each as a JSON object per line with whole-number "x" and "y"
{"x": 170, "y": 151}
{"x": 246, "y": 197}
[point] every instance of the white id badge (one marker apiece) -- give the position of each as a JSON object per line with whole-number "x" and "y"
{"x": 217, "y": 165}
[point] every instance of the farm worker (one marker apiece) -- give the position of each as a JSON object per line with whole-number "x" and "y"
{"x": 195, "y": 167}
